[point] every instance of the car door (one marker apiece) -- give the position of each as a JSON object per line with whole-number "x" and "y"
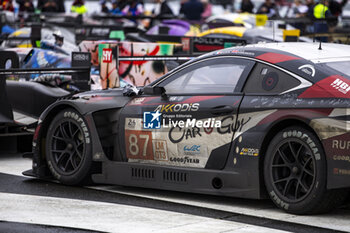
{"x": 189, "y": 118}
{"x": 268, "y": 96}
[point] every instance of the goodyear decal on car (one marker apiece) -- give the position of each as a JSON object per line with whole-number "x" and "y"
{"x": 191, "y": 154}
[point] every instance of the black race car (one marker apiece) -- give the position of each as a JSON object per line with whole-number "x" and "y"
{"x": 254, "y": 121}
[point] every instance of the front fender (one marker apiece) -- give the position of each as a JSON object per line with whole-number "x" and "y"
{"x": 86, "y": 105}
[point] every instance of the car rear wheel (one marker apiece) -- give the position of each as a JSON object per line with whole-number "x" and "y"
{"x": 68, "y": 148}
{"x": 295, "y": 173}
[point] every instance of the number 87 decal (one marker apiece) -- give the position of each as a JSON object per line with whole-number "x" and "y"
{"x": 138, "y": 144}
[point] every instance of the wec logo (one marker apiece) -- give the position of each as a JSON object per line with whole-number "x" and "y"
{"x": 107, "y": 55}
{"x": 194, "y": 148}
{"x": 341, "y": 86}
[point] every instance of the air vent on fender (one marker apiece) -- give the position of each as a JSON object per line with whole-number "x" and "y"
{"x": 142, "y": 173}
{"x": 173, "y": 176}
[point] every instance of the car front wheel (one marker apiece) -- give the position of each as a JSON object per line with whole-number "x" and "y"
{"x": 68, "y": 148}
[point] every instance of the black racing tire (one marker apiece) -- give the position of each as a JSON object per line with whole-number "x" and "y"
{"x": 68, "y": 148}
{"x": 295, "y": 173}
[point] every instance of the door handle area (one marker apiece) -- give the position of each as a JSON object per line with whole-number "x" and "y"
{"x": 221, "y": 110}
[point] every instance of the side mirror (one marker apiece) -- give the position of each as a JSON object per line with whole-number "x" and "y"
{"x": 148, "y": 90}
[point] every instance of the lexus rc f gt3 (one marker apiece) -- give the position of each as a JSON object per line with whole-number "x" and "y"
{"x": 266, "y": 120}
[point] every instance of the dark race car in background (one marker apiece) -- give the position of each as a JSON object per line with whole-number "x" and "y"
{"x": 266, "y": 119}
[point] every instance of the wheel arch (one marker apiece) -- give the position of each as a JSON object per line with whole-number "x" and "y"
{"x": 48, "y": 117}
{"x": 268, "y": 138}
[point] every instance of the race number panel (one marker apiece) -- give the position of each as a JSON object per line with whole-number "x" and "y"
{"x": 139, "y": 144}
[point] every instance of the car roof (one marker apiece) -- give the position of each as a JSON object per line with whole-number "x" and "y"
{"x": 310, "y": 51}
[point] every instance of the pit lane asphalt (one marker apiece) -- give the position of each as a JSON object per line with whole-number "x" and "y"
{"x": 15, "y": 184}
{"x": 28, "y": 186}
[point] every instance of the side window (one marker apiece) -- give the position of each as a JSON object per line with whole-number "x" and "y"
{"x": 218, "y": 75}
{"x": 265, "y": 79}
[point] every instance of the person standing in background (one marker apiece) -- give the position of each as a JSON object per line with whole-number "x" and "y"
{"x": 336, "y": 7}
{"x": 51, "y": 6}
{"x": 61, "y": 7}
{"x": 298, "y": 10}
{"x": 192, "y": 10}
{"x": 78, "y": 7}
{"x": 268, "y": 8}
{"x": 104, "y": 8}
{"x": 133, "y": 8}
{"x": 246, "y": 6}
{"x": 7, "y": 5}
{"x": 321, "y": 11}
{"x": 310, "y": 8}
{"x": 207, "y": 9}
{"x": 228, "y": 5}
{"x": 116, "y": 10}
{"x": 162, "y": 8}
{"x": 26, "y": 6}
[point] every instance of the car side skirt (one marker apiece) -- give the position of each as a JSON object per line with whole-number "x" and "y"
{"x": 232, "y": 183}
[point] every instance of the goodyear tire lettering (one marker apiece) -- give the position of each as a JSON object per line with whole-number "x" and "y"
{"x": 78, "y": 119}
{"x": 305, "y": 138}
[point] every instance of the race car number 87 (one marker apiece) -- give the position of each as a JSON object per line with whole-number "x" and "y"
{"x": 138, "y": 144}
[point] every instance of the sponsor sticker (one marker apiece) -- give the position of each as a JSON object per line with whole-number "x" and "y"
{"x": 131, "y": 123}
{"x": 137, "y": 101}
{"x": 345, "y": 158}
{"x": 249, "y": 152}
{"x": 107, "y": 55}
{"x": 308, "y": 69}
{"x": 191, "y": 154}
{"x": 160, "y": 150}
{"x": 192, "y": 149}
{"x": 186, "y": 42}
{"x": 208, "y": 130}
{"x": 184, "y": 160}
{"x": 168, "y": 108}
{"x": 338, "y": 171}
{"x": 341, "y": 144}
{"x": 341, "y": 86}
{"x": 193, "y": 129}
{"x": 175, "y": 98}
{"x": 235, "y": 51}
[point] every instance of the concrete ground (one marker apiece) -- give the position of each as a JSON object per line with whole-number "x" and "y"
{"x": 31, "y": 205}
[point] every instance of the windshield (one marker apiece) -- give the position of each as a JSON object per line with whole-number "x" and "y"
{"x": 340, "y": 66}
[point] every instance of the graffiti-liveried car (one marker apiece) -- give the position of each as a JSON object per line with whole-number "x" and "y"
{"x": 254, "y": 121}
{"x": 251, "y": 35}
